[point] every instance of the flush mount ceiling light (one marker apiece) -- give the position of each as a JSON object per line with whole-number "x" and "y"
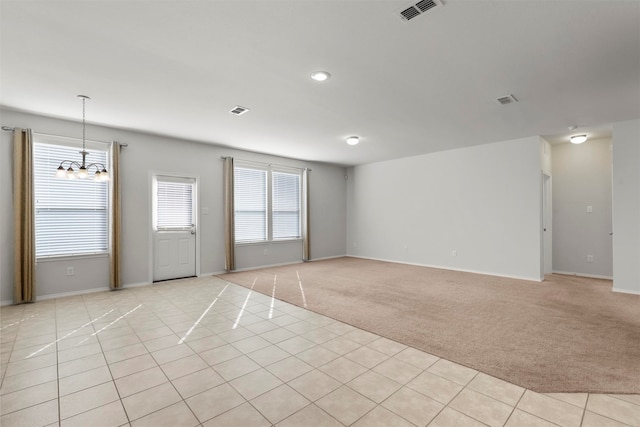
{"x": 353, "y": 140}
{"x": 578, "y": 139}
{"x": 320, "y": 76}
{"x": 84, "y": 169}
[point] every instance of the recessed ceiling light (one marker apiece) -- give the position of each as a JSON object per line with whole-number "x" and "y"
{"x": 353, "y": 140}
{"x": 320, "y": 76}
{"x": 578, "y": 139}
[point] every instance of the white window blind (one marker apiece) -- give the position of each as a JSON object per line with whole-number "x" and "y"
{"x": 71, "y": 215}
{"x": 267, "y": 203}
{"x": 285, "y": 205}
{"x": 250, "y": 200}
{"x": 174, "y": 203}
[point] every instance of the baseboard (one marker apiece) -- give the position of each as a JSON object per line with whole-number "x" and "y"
{"x": 263, "y": 266}
{"x": 591, "y": 276}
{"x": 440, "y": 267}
{"x": 134, "y": 285}
{"x": 70, "y": 294}
{"x": 327, "y": 257}
{"x": 215, "y": 273}
{"x": 626, "y": 291}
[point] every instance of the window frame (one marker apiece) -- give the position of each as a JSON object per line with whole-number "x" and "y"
{"x": 269, "y": 169}
{"x": 75, "y": 144}
{"x": 192, "y": 182}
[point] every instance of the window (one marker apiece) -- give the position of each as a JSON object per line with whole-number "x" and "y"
{"x": 250, "y": 203}
{"x": 174, "y": 203}
{"x": 286, "y": 205}
{"x": 267, "y": 203}
{"x": 71, "y": 215}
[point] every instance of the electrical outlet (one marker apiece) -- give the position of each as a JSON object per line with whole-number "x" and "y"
{"x": 589, "y": 209}
{"x": 266, "y": 251}
{"x": 589, "y": 258}
{"x": 454, "y": 253}
{"x": 70, "y": 271}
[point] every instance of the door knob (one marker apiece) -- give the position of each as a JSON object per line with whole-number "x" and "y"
{"x": 193, "y": 231}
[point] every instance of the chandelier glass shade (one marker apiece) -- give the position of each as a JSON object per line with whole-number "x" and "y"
{"x": 84, "y": 170}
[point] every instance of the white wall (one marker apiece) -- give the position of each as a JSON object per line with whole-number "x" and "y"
{"x": 626, "y": 206}
{"x": 147, "y": 153}
{"x": 483, "y": 202}
{"x": 582, "y": 177}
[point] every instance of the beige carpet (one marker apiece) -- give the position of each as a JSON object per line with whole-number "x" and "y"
{"x": 566, "y": 334}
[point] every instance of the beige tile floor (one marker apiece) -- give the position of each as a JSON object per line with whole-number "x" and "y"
{"x": 203, "y": 352}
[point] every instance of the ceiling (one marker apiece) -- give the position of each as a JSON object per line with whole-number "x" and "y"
{"x": 178, "y": 67}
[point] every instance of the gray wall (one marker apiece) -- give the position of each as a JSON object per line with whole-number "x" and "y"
{"x": 581, "y": 178}
{"x": 626, "y": 206}
{"x": 147, "y": 153}
{"x": 483, "y": 202}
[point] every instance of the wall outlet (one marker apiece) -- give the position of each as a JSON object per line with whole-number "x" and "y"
{"x": 589, "y": 209}
{"x": 589, "y": 258}
{"x": 70, "y": 271}
{"x": 266, "y": 251}
{"x": 454, "y": 253}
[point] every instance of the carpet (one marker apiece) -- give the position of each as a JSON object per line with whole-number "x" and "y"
{"x": 565, "y": 334}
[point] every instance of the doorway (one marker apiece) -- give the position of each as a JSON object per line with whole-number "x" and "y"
{"x": 174, "y": 227}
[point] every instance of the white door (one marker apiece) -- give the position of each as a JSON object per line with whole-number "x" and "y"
{"x": 174, "y": 227}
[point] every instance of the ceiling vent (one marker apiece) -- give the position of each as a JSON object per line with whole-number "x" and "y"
{"x": 238, "y": 110}
{"x": 408, "y": 13}
{"x": 504, "y": 100}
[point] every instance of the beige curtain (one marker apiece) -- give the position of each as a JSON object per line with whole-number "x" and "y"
{"x": 24, "y": 237}
{"x": 306, "y": 245}
{"x": 229, "y": 219}
{"x": 115, "y": 281}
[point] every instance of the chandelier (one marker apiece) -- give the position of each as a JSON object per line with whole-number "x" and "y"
{"x": 84, "y": 169}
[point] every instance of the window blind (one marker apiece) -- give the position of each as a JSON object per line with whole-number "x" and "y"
{"x": 285, "y": 205}
{"x": 71, "y": 215}
{"x": 174, "y": 203}
{"x": 250, "y": 200}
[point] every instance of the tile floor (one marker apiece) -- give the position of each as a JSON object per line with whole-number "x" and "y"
{"x": 203, "y": 352}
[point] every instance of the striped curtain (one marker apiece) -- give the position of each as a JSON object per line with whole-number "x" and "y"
{"x": 115, "y": 279}
{"x": 229, "y": 216}
{"x": 306, "y": 241}
{"x": 24, "y": 236}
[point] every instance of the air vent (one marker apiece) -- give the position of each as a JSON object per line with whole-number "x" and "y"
{"x": 408, "y": 13}
{"x": 425, "y": 5}
{"x": 238, "y": 110}
{"x": 504, "y": 100}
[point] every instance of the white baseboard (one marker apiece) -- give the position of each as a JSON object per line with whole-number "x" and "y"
{"x": 327, "y": 257}
{"x": 263, "y": 266}
{"x": 135, "y": 285}
{"x": 591, "y": 276}
{"x": 70, "y": 294}
{"x": 626, "y": 291}
{"x": 484, "y": 273}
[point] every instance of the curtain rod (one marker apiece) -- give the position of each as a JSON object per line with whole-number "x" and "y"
{"x": 11, "y": 129}
{"x": 264, "y": 163}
